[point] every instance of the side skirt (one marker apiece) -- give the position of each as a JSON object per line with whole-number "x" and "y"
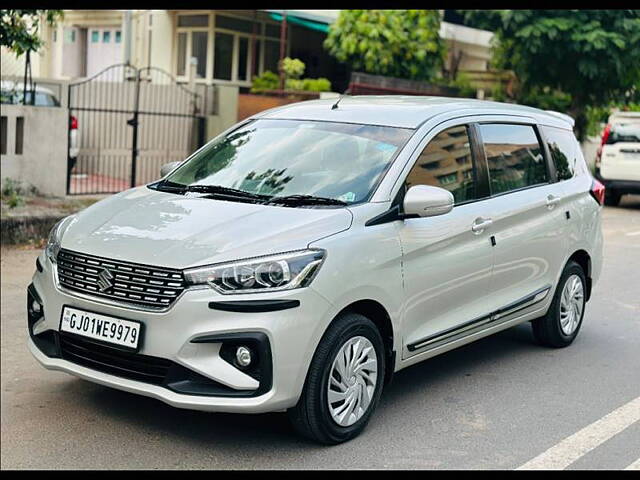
{"x": 486, "y": 321}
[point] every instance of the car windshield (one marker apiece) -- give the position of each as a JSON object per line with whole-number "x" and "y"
{"x": 281, "y": 158}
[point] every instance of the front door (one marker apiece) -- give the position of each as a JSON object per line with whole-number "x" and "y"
{"x": 447, "y": 262}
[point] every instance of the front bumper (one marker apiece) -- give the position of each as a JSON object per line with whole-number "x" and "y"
{"x": 175, "y": 336}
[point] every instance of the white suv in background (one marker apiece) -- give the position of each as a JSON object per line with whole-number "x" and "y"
{"x": 299, "y": 259}
{"x": 618, "y": 158}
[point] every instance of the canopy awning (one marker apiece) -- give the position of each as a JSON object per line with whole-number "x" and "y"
{"x": 312, "y": 22}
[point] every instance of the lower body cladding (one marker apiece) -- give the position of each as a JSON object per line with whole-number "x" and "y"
{"x": 199, "y": 354}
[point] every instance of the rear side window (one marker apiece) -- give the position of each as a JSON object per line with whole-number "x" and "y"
{"x": 514, "y": 157}
{"x": 446, "y": 162}
{"x": 562, "y": 146}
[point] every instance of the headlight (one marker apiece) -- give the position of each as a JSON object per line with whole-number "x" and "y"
{"x": 264, "y": 274}
{"x": 55, "y": 237}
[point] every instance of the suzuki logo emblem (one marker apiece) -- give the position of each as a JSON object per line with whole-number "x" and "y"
{"x": 104, "y": 280}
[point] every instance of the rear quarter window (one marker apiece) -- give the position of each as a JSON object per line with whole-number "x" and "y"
{"x": 563, "y": 149}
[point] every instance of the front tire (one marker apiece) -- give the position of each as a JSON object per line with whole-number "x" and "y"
{"x": 344, "y": 382}
{"x": 560, "y": 326}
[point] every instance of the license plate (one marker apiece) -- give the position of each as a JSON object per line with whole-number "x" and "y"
{"x": 105, "y": 328}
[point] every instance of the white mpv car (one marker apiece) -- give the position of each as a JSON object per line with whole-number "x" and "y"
{"x": 299, "y": 259}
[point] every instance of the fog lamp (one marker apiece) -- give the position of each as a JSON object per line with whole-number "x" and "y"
{"x": 243, "y": 356}
{"x": 36, "y": 307}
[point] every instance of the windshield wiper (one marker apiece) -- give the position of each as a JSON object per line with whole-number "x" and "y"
{"x": 172, "y": 187}
{"x": 225, "y": 191}
{"x": 305, "y": 200}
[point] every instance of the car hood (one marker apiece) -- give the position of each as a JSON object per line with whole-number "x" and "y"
{"x": 158, "y": 228}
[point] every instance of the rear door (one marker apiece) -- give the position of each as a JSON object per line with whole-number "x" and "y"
{"x": 528, "y": 220}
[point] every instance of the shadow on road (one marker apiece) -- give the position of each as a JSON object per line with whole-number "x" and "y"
{"x": 266, "y": 431}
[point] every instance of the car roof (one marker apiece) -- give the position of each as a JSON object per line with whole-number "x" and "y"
{"x": 405, "y": 111}
{"x": 17, "y": 86}
{"x": 624, "y": 116}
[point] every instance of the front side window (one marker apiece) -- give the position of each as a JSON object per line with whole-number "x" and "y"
{"x": 446, "y": 162}
{"x": 289, "y": 157}
{"x": 514, "y": 157}
{"x": 562, "y": 147}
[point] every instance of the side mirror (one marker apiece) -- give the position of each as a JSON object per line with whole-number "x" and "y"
{"x": 427, "y": 201}
{"x": 167, "y": 168}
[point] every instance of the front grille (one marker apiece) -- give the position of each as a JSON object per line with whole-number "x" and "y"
{"x": 110, "y": 360}
{"x": 143, "y": 285}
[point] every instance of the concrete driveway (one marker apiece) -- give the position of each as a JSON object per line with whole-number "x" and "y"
{"x": 498, "y": 403}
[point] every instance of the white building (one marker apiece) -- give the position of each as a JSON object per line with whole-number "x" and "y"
{"x": 230, "y": 46}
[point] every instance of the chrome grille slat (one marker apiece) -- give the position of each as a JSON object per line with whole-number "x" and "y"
{"x": 122, "y": 284}
{"x": 143, "y": 285}
{"x": 116, "y": 271}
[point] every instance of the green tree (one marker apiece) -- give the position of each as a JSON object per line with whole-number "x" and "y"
{"x": 19, "y": 29}
{"x": 398, "y": 43}
{"x": 591, "y": 55}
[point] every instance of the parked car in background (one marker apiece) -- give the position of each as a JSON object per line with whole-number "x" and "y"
{"x": 12, "y": 93}
{"x": 618, "y": 159}
{"x": 303, "y": 256}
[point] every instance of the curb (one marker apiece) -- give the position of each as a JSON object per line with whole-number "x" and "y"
{"x": 27, "y": 229}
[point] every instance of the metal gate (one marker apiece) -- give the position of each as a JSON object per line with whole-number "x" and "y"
{"x": 128, "y": 122}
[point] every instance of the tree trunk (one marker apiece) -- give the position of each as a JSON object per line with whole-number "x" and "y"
{"x": 578, "y": 112}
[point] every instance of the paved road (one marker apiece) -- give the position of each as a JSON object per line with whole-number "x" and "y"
{"x": 499, "y": 403}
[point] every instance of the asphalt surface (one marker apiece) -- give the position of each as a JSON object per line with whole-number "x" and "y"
{"x": 494, "y": 404}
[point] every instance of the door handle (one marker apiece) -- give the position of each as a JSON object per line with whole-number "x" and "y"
{"x": 552, "y": 201}
{"x": 480, "y": 224}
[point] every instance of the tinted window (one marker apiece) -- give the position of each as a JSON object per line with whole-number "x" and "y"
{"x": 193, "y": 20}
{"x": 223, "y": 56}
{"x": 562, "y": 146}
{"x": 231, "y": 23}
{"x": 199, "y": 51}
{"x": 514, "y": 157}
{"x": 182, "y": 52}
{"x": 446, "y": 162}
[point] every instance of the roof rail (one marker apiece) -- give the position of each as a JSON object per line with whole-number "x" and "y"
{"x": 562, "y": 116}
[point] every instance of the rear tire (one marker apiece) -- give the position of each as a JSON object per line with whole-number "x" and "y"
{"x": 560, "y": 326}
{"x": 314, "y": 417}
{"x": 612, "y": 198}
